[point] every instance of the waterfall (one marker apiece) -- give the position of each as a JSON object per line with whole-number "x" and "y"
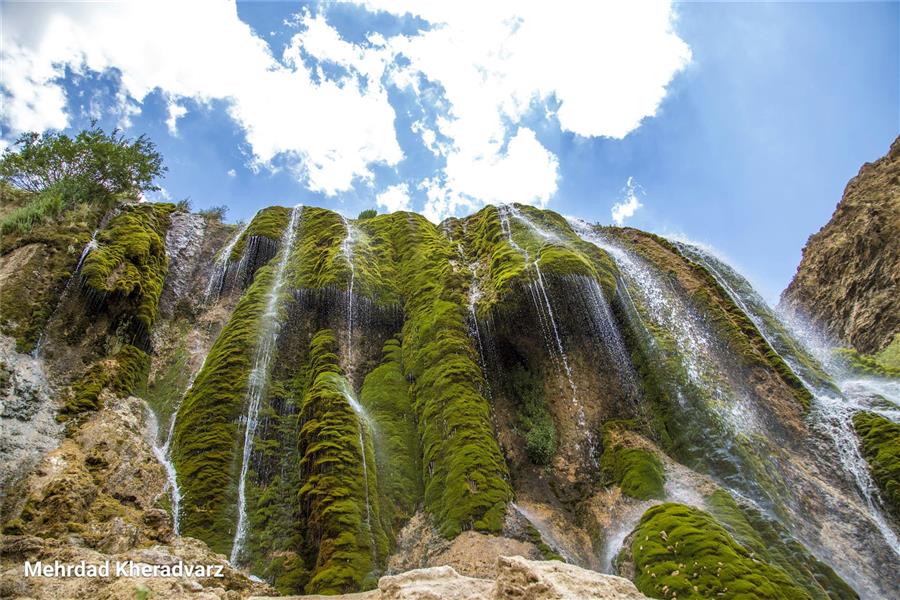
{"x": 545, "y": 532}
{"x": 42, "y": 339}
{"x": 347, "y": 253}
{"x": 269, "y": 327}
{"x": 831, "y": 412}
{"x": 363, "y": 420}
{"x": 544, "y": 307}
{"x": 220, "y": 267}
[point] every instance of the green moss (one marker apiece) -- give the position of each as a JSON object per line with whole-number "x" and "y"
{"x": 638, "y": 472}
{"x": 878, "y": 366}
{"x": 463, "y": 469}
{"x": 268, "y": 223}
{"x": 385, "y": 394}
{"x": 339, "y": 528}
{"x": 535, "y": 421}
{"x": 880, "y": 440}
{"x": 770, "y": 541}
{"x": 129, "y": 266}
{"x": 318, "y": 261}
{"x": 30, "y": 293}
{"x": 889, "y": 357}
{"x": 206, "y": 443}
{"x": 682, "y": 552}
{"x": 121, "y": 375}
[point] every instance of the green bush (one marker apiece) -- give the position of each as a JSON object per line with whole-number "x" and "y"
{"x": 93, "y": 163}
{"x": 367, "y": 214}
{"x": 540, "y": 443}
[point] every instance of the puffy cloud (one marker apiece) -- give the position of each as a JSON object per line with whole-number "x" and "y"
{"x": 626, "y": 208}
{"x": 176, "y": 111}
{"x": 598, "y": 67}
{"x": 394, "y": 198}
{"x": 328, "y": 132}
{"x": 482, "y": 74}
{"x": 231, "y": 173}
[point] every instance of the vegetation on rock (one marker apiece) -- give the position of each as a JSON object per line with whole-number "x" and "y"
{"x": 637, "y": 471}
{"x": 682, "y": 552}
{"x": 880, "y": 441}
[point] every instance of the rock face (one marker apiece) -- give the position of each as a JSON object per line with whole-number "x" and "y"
{"x": 848, "y": 279}
{"x": 517, "y": 579}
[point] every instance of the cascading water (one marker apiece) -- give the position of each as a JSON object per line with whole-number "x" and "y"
{"x": 831, "y": 413}
{"x": 347, "y": 252}
{"x": 42, "y": 339}
{"x": 544, "y": 307}
{"x": 546, "y": 533}
{"x": 220, "y": 268}
{"x": 269, "y": 326}
{"x": 364, "y": 422}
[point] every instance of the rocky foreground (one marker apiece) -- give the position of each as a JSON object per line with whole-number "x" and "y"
{"x": 517, "y": 579}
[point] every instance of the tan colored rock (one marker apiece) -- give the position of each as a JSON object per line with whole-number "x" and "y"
{"x": 848, "y": 279}
{"x": 435, "y": 583}
{"x": 471, "y": 553}
{"x": 519, "y": 578}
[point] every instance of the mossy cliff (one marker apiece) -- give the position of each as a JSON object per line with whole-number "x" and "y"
{"x": 125, "y": 273}
{"x": 494, "y": 357}
{"x": 207, "y": 433}
{"x": 36, "y": 265}
{"x": 880, "y": 440}
{"x": 682, "y": 552}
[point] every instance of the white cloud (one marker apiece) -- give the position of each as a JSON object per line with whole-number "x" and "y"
{"x": 483, "y": 74}
{"x": 394, "y": 198}
{"x": 627, "y": 207}
{"x": 232, "y": 173}
{"x": 328, "y": 132}
{"x": 606, "y": 65}
{"x": 176, "y": 111}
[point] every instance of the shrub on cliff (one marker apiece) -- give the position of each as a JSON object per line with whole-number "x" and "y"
{"x": 60, "y": 171}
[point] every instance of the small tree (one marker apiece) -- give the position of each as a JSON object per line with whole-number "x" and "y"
{"x": 90, "y": 164}
{"x": 367, "y": 214}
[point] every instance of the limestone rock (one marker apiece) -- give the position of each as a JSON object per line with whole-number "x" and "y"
{"x": 848, "y": 279}
{"x": 517, "y": 579}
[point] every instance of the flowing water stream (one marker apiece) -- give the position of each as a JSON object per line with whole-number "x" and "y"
{"x": 544, "y": 306}
{"x": 364, "y": 422}
{"x": 832, "y": 412}
{"x": 347, "y": 253}
{"x": 269, "y": 326}
{"x": 220, "y": 267}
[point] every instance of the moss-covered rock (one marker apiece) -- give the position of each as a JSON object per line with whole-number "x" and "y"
{"x": 36, "y": 265}
{"x": 464, "y": 473}
{"x": 120, "y": 375}
{"x": 268, "y": 223}
{"x": 637, "y": 471}
{"x": 682, "y": 552}
{"x": 125, "y": 273}
{"x": 883, "y": 364}
{"x": 339, "y": 520}
{"x": 880, "y": 440}
{"x": 385, "y": 394}
{"x": 770, "y": 541}
{"x": 206, "y": 442}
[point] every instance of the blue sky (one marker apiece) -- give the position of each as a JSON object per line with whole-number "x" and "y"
{"x": 733, "y": 124}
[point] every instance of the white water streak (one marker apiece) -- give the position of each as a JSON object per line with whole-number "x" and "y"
{"x": 542, "y": 301}
{"x": 268, "y": 333}
{"x": 220, "y": 268}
